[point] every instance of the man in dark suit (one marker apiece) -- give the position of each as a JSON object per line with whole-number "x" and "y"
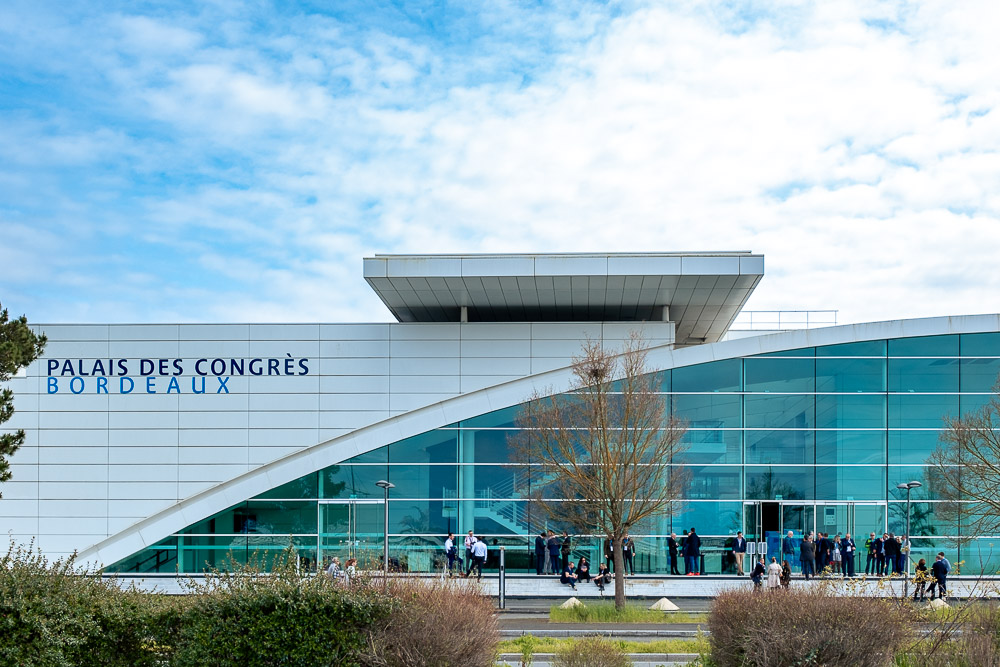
{"x": 940, "y": 573}
{"x": 849, "y": 549}
{"x": 870, "y": 549}
{"x": 692, "y": 553}
{"x": 890, "y": 547}
{"x": 554, "y": 555}
{"x": 739, "y": 552}
{"x": 540, "y": 552}
{"x": 879, "y": 546}
{"x": 672, "y": 549}
{"x": 788, "y": 549}
{"x": 808, "y": 555}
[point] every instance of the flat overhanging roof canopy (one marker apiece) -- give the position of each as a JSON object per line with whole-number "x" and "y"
{"x": 702, "y": 291}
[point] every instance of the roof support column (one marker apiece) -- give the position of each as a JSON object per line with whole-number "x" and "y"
{"x": 665, "y": 313}
{"x": 463, "y": 314}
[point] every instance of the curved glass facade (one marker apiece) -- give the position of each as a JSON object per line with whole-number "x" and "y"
{"x": 804, "y": 439}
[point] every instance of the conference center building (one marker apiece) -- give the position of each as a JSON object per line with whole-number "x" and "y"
{"x": 173, "y": 448}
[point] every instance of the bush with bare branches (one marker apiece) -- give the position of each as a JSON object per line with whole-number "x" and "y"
{"x": 435, "y": 623}
{"x": 806, "y": 627}
{"x": 592, "y": 652}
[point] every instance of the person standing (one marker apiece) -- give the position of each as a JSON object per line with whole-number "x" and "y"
{"x": 758, "y": 573}
{"x": 609, "y": 553}
{"x": 672, "y": 550}
{"x": 540, "y": 553}
{"x": 693, "y": 544}
{"x": 773, "y": 575}
{"x": 739, "y": 552}
{"x": 902, "y": 549}
{"x": 836, "y": 556}
{"x": 555, "y": 549}
{"x": 684, "y": 552}
{"x": 870, "y": 550}
{"x": 920, "y": 581}
{"x": 628, "y": 555}
{"x": 879, "y": 546}
{"x": 939, "y": 572}
{"x": 849, "y": 551}
{"x": 470, "y": 541}
{"x": 479, "y": 554}
{"x": 889, "y": 546}
{"x": 808, "y": 556}
{"x": 564, "y": 549}
{"x": 786, "y": 574}
{"x": 451, "y": 552}
{"x": 822, "y": 552}
{"x": 788, "y": 548}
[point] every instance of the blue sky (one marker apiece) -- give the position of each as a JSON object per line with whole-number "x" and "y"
{"x": 233, "y": 161}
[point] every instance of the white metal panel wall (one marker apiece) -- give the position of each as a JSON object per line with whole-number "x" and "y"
{"x": 94, "y": 463}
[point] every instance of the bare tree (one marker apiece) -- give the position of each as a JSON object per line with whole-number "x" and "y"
{"x": 600, "y": 453}
{"x": 965, "y": 471}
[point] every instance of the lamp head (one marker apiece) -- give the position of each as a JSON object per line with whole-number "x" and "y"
{"x": 382, "y": 484}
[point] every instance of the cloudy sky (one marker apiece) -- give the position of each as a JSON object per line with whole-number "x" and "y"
{"x": 234, "y": 161}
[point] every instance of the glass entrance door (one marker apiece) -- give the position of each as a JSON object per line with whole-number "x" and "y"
{"x": 351, "y": 529}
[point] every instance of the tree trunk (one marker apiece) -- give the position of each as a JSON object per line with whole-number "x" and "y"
{"x": 619, "y": 561}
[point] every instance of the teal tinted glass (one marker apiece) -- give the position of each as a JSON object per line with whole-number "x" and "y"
{"x": 923, "y": 375}
{"x": 779, "y": 447}
{"x": 708, "y": 410}
{"x": 979, "y": 374}
{"x": 432, "y": 481}
{"x": 779, "y": 411}
{"x": 980, "y": 345}
{"x": 351, "y": 481}
{"x": 504, "y": 418}
{"x": 768, "y": 483}
{"x": 229, "y": 520}
{"x": 714, "y": 376}
{"x": 430, "y": 447}
{"x": 778, "y": 374}
{"x": 974, "y": 402}
{"x": 924, "y": 520}
{"x": 850, "y": 447}
{"x": 713, "y": 482}
{"x": 869, "y": 348}
{"x": 711, "y": 446}
{"x": 306, "y": 486}
{"x": 912, "y": 446}
{"x": 850, "y": 411}
{"x": 487, "y": 481}
{"x": 924, "y": 346}
{"x": 850, "y": 482}
{"x": 709, "y": 518}
{"x": 486, "y": 446}
{"x": 926, "y": 475}
{"x": 799, "y": 352}
{"x": 415, "y": 516}
{"x": 850, "y": 375}
{"x": 501, "y": 517}
{"x": 380, "y": 455}
{"x": 921, "y": 410}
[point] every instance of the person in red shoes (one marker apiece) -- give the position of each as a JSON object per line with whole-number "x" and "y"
{"x": 692, "y": 553}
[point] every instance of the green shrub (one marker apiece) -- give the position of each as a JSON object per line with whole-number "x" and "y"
{"x": 249, "y": 618}
{"x": 592, "y": 652}
{"x": 55, "y": 614}
{"x": 805, "y": 627}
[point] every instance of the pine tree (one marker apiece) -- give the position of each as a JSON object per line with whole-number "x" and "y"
{"x": 19, "y": 346}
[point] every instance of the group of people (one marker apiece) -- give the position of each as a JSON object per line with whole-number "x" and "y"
{"x": 777, "y": 575}
{"x": 551, "y": 552}
{"x": 887, "y": 554}
{"x": 574, "y": 574}
{"x": 937, "y": 578}
{"x": 345, "y": 573}
{"x": 819, "y": 552}
{"x": 475, "y": 555}
{"x": 689, "y": 547}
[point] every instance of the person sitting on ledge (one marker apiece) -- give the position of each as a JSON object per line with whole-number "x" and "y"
{"x": 583, "y": 569}
{"x": 603, "y": 577}
{"x": 569, "y": 575}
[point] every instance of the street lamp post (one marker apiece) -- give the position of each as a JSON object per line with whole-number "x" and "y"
{"x": 385, "y": 486}
{"x": 908, "y": 486}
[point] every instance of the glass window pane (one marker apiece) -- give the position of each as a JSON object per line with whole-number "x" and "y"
{"x": 274, "y": 517}
{"x": 502, "y": 517}
{"x": 923, "y": 375}
{"x": 924, "y": 346}
{"x": 927, "y": 476}
{"x": 779, "y": 374}
{"x": 489, "y": 481}
{"x": 850, "y": 411}
{"x": 714, "y": 376}
{"x": 423, "y": 481}
{"x": 414, "y": 516}
{"x": 780, "y": 446}
{"x": 380, "y": 455}
{"x": 707, "y": 445}
{"x": 487, "y": 446}
{"x": 713, "y": 482}
{"x": 230, "y": 520}
{"x": 850, "y": 375}
{"x": 779, "y": 411}
{"x": 973, "y": 402}
{"x": 351, "y": 481}
{"x": 709, "y": 518}
{"x": 303, "y": 487}
{"x": 921, "y": 410}
{"x": 868, "y": 348}
{"x": 850, "y": 447}
{"x": 980, "y": 345}
{"x": 912, "y": 446}
{"x": 850, "y": 483}
{"x": 923, "y": 520}
{"x": 979, "y": 374}
{"x": 709, "y": 411}
{"x": 430, "y": 447}
{"x": 504, "y": 418}
{"x": 768, "y": 483}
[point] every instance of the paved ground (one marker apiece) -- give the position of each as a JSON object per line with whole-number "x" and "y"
{"x": 531, "y": 616}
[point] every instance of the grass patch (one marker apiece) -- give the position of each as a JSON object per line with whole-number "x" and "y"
{"x": 605, "y": 612}
{"x": 553, "y": 644}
